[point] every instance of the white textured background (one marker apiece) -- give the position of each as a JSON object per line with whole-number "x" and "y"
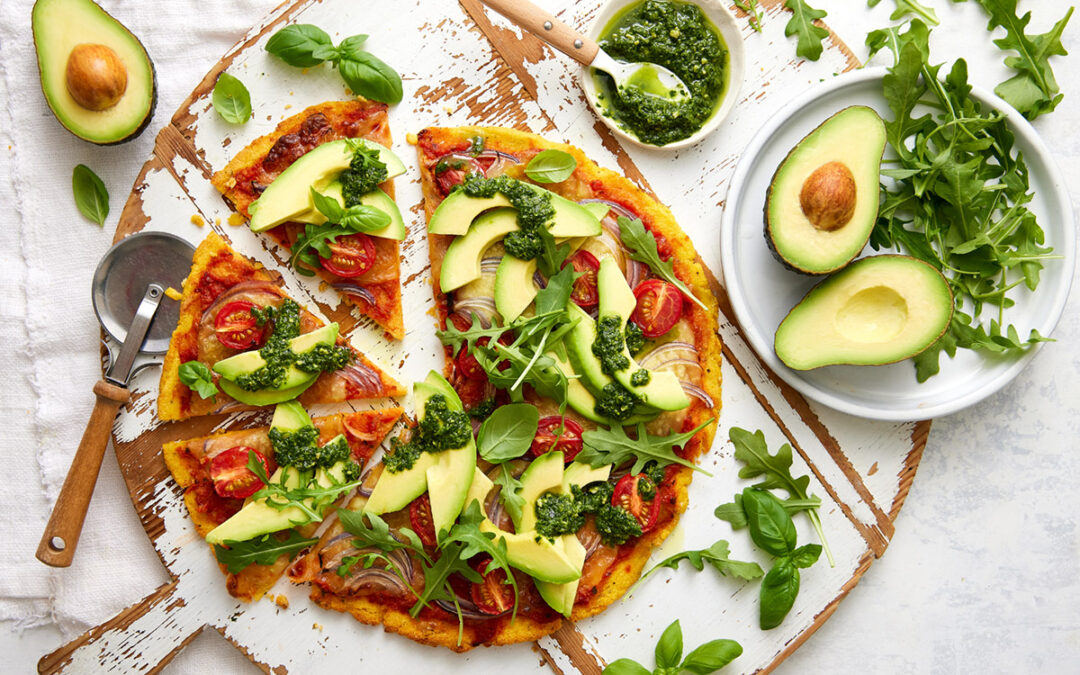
{"x": 981, "y": 575}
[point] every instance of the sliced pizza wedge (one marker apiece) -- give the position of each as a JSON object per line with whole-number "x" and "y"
{"x": 270, "y": 183}
{"x": 218, "y": 484}
{"x": 230, "y": 311}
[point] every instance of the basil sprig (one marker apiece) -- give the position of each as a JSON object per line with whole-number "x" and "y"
{"x": 707, "y": 658}
{"x": 508, "y": 433}
{"x": 551, "y": 166}
{"x": 304, "y": 45}
{"x": 197, "y": 376}
{"x": 91, "y": 197}
{"x": 314, "y": 242}
{"x": 231, "y": 99}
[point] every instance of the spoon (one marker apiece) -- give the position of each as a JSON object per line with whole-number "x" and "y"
{"x": 128, "y": 289}
{"x": 649, "y": 78}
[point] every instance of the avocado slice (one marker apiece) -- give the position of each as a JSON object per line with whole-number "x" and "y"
{"x": 544, "y": 474}
{"x": 478, "y": 489}
{"x": 290, "y": 416}
{"x": 96, "y": 76}
{"x": 541, "y": 559}
{"x": 296, "y": 380}
{"x": 663, "y": 390}
{"x": 822, "y": 201}
{"x": 461, "y": 264}
{"x": 875, "y": 311}
{"x": 290, "y": 193}
{"x": 515, "y": 289}
{"x": 456, "y": 213}
{"x": 378, "y": 199}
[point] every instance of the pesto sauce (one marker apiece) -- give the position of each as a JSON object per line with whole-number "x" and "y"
{"x": 615, "y": 402}
{"x": 557, "y": 514}
{"x": 364, "y": 174}
{"x": 278, "y": 354}
{"x": 678, "y": 36}
{"x": 608, "y": 346}
{"x": 534, "y": 210}
{"x": 614, "y": 523}
{"x": 440, "y": 429}
{"x": 301, "y": 449}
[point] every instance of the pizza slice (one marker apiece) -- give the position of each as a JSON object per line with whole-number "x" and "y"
{"x": 222, "y": 491}
{"x": 233, "y": 314}
{"x": 339, "y": 149}
{"x": 578, "y": 311}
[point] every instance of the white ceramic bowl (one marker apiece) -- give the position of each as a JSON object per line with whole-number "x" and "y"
{"x": 720, "y": 17}
{"x": 762, "y": 291}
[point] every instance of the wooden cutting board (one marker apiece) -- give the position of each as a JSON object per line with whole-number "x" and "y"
{"x": 462, "y": 65}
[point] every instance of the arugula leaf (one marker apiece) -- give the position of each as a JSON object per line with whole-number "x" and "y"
{"x": 508, "y": 433}
{"x": 905, "y": 7}
{"x": 703, "y": 660}
{"x": 551, "y": 166}
{"x": 641, "y": 244}
{"x": 197, "y": 376}
{"x": 265, "y": 550}
{"x": 311, "y": 498}
{"x": 750, "y": 8}
{"x": 802, "y": 23}
{"x": 556, "y": 294}
{"x": 231, "y": 99}
{"x": 716, "y": 556}
{"x": 91, "y": 197}
{"x": 510, "y": 492}
{"x": 752, "y": 450}
{"x": 613, "y": 446}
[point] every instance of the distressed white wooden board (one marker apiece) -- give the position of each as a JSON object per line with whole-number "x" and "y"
{"x": 453, "y": 76}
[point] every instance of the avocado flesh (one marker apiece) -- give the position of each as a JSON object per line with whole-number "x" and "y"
{"x": 454, "y": 214}
{"x": 853, "y": 137}
{"x": 875, "y": 311}
{"x": 461, "y": 264}
{"x": 60, "y": 25}
{"x": 290, "y": 416}
{"x": 296, "y": 380}
{"x": 290, "y": 193}
{"x": 378, "y": 199}
{"x": 515, "y": 289}
{"x": 544, "y": 474}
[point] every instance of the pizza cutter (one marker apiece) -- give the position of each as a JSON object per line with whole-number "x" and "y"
{"x": 131, "y": 305}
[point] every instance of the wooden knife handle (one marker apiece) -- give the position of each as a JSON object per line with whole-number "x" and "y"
{"x": 57, "y": 547}
{"x": 546, "y": 27}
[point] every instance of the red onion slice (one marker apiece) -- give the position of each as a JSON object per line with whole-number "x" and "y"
{"x": 358, "y": 373}
{"x": 489, "y": 265}
{"x": 483, "y": 306}
{"x": 261, "y": 293}
{"x": 697, "y": 392}
{"x": 590, "y": 539}
{"x": 468, "y": 317}
{"x": 656, "y": 355}
{"x": 375, "y": 578}
{"x": 355, "y": 290}
{"x": 539, "y": 279}
{"x": 635, "y": 272}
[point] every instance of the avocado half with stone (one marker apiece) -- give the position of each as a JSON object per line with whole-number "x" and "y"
{"x": 96, "y": 76}
{"x": 822, "y": 202}
{"x": 877, "y": 310}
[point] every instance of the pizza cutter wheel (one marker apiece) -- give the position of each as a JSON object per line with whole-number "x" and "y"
{"x": 131, "y": 305}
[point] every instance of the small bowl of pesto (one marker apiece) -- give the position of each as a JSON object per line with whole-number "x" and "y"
{"x": 698, "y": 41}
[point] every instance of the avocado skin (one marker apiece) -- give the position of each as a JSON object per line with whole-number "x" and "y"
{"x": 137, "y": 131}
{"x": 767, "y": 229}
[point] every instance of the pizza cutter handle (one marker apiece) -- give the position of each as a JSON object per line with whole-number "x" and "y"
{"x": 545, "y": 26}
{"x": 57, "y": 547}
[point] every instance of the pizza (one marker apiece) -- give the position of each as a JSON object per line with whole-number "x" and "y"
{"x": 212, "y": 472}
{"x": 603, "y": 326}
{"x": 364, "y": 269}
{"x": 221, "y": 297}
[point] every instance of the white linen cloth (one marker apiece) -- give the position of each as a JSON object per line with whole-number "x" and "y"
{"x": 907, "y": 615}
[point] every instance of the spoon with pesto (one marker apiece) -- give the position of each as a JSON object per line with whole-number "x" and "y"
{"x": 650, "y": 79}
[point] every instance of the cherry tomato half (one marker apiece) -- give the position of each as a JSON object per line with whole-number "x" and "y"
{"x": 584, "y": 292}
{"x": 628, "y": 496}
{"x": 548, "y": 438}
{"x": 353, "y": 255}
{"x": 231, "y": 476}
{"x": 659, "y": 306}
{"x": 494, "y": 594}
{"x": 235, "y": 326}
{"x": 423, "y": 524}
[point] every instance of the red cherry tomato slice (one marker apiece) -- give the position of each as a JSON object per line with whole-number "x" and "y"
{"x": 627, "y": 496}
{"x": 353, "y": 255}
{"x": 231, "y": 476}
{"x": 547, "y": 437}
{"x": 236, "y": 328}
{"x": 493, "y": 595}
{"x": 659, "y": 306}
{"x": 423, "y": 524}
{"x": 663, "y": 247}
{"x": 469, "y": 366}
{"x": 584, "y": 292}
{"x": 451, "y": 171}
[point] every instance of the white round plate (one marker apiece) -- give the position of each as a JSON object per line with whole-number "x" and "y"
{"x": 762, "y": 291}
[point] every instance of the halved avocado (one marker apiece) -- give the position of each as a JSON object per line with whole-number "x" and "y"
{"x": 96, "y": 76}
{"x": 378, "y": 199}
{"x": 822, "y": 201}
{"x": 877, "y": 310}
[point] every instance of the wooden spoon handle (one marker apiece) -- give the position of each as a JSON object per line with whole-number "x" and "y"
{"x": 57, "y": 546}
{"x": 546, "y": 27}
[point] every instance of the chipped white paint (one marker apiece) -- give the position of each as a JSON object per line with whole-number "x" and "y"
{"x": 436, "y": 46}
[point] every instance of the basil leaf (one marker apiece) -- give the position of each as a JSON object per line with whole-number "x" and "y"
{"x": 806, "y": 555}
{"x": 364, "y": 218}
{"x": 262, "y": 551}
{"x": 551, "y": 166}
{"x": 198, "y": 377}
{"x": 231, "y": 99}
{"x": 350, "y": 47}
{"x": 778, "y": 591}
{"x": 369, "y": 77}
{"x": 508, "y": 433}
{"x": 625, "y": 667}
{"x": 642, "y": 247}
{"x": 669, "y": 647}
{"x": 711, "y": 656}
{"x": 91, "y": 197}
{"x": 296, "y": 44}
{"x": 328, "y": 206}
{"x": 770, "y": 525}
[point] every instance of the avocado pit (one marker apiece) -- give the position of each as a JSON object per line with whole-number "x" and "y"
{"x": 828, "y": 196}
{"x": 96, "y": 77}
